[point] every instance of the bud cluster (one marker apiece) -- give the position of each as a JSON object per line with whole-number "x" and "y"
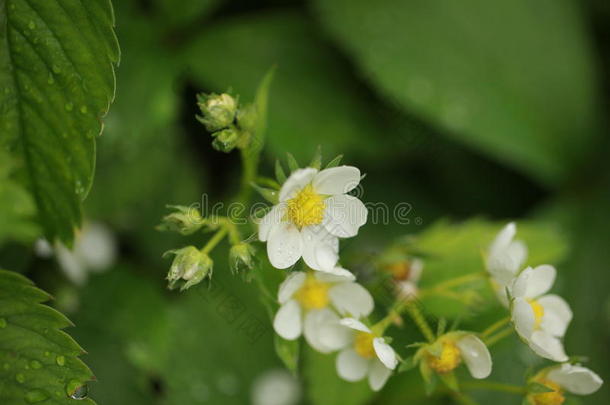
{"x": 190, "y": 267}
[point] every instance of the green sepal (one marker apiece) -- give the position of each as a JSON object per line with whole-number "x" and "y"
{"x": 279, "y": 172}
{"x": 293, "y": 165}
{"x": 334, "y": 162}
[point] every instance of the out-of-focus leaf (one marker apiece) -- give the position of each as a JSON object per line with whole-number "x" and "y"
{"x": 57, "y": 81}
{"x": 17, "y": 209}
{"x": 40, "y": 361}
{"x": 484, "y": 71}
{"x": 312, "y": 100}
{"x": 186, "y": 11}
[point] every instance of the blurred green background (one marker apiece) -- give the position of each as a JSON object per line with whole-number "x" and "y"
{"x": 472, "y": 108}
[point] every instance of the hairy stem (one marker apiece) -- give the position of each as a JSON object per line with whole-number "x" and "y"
{"x": 494, "y": 327}
{"x": 498, "y": 336}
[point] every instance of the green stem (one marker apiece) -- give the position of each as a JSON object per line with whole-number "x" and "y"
{"x": 498, "y": 336}
{"x": 249, "y": 159}
{"x": 493, "y": 386}
{"x": 462, "y": 398}
{"x": 494, "y": 327}
{"x": 420, "y": 321}
{"x": 457, "y": 281}
{"x": 215, "y": 240}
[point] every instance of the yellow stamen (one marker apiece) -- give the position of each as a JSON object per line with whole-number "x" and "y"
{"x": 313, "y": 294}
{"x": 400, "y": 270}
{"x": 363, "y": 345}
{"x": 538, "y": 312}
{"x": 449, "y": 359}
{"x": 554, "y": 397}
{"x": 306, "y": 208}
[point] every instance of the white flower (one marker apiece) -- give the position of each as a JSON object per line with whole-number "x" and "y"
{"x": 406, "y": 286}
{"x": 446, "y": 354}
{"x": 310, "y": 303}
{"x": 504, "y": 260}
{"x": 312, "y": 213}
{"x": 94, "y": 251}
{"x": 276, "y": 387}
{"x": 540, "y": 319}
{"x": 368, "y": 355}
{"x": 575, "y": 379}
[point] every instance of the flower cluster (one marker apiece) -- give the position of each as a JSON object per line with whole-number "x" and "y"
{"x": 324, "y": 303}
{"x": 539, "y": 318}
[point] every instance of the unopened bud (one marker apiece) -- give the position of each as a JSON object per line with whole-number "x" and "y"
{"x": 218, "y": 111}
{"x": 190, "y": 265}
{"x": 185, "y": 220}
{"x": 241, "y": 255}
{"x": 225, "y": 140}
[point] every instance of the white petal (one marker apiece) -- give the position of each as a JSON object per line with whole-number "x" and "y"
{"x": 323, "y": 331}
{"x": 337, "y": 180}
{"x": 96, "y": 246}
{"x": 523, "y": 317}
{"x": 321, "y": 249}
{"x": 503, "y": 238}
{"x": 406, "y": 290}
{"x": 351, "y": 366}
{"x": 557, "y": 314}
{"x": 355, "y": 324}
{"x": 385, "y": 353}
{"x": 506, "y": 256}
{"x": 475, "y": 355}
{"x": 547, "y": 346}
{"x": 285, "y": 245}
{"x": 344, "y": 215}
{"x": 575, "y": 379}
{"x": 417, "y": 267}
{"x": 269, "y": 221}
{"x": 71, "y": 264}
{"x": 295, "y": 183}
{"x": 287, "y": 322}
{"x": 500, "y": 290}
{"x": 336, "y": 275}
{"x": 378, "y": 375}
{"x": 351, "y": 299}
{"x": 533, "y": 282}
{"x": 290, "y": 285}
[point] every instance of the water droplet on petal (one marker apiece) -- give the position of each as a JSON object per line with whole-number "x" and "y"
{"x": 60, "y": 360}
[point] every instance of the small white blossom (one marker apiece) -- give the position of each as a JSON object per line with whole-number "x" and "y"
{"x": 406, "y": 287}
{"x": 540, "y": 319}
{"x": 276, "y": 387}
{"x": 310, "y": 303}
{"x": 368, "y": 355}
{"x": 559, "y": 379}
{"x": 313, "y": 212}
{"x": 505, "y": 258}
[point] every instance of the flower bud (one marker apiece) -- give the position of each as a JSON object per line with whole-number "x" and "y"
{"x": 241, "y": 255}
{"x": 218, "y": 110}
{"x": 185, "y": 220}
{"x": 190, "y": 265}
{"x": 226, "y": 140}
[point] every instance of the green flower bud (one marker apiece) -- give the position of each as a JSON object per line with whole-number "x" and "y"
{"x": 218, "y": 111}
{"x": 226, "y": 140}
{"x": 190, "y": 266}
{"x": 241, "y": 255}
{"x": 185, "y": 220}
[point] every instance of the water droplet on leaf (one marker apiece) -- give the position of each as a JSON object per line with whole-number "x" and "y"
{"x": 76, "y": 390}
{"x": 31, "y": 25}
{"x": 69, "y": 106}
{"x": 60, "y": 360}
{"x": 84, "y": 109}
{"x": 35, "y": 396}
{"x": 35, "y": 364}
{"x": 20, "y": 378}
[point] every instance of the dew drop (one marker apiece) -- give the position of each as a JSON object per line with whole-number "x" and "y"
{"x": 6, "y": 366}
{"x": 83, "y": 109}
{"x": 60, "y": 360}
{"x": 56, "y": 69}
{"x": 47, "y": 354}
{"x": 50, "y": 80}
{"x": 69, "y": 106}
{"x": 35, "y": 396}
{"x": 20, "y": 378}
{"x": 76, "y": 390}
{"x": 35, "y": 364}
{"x": 31, "y": 25}
{"x": 2, "y": 323}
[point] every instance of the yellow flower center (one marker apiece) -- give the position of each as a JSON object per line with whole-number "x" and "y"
{"x": 548, "y": 398}
{"x": 449, "y": 359}
{"x": 306, "y": 208}
{"x": 400, "y": 270}
{"x": 363, "y": 345}
{"x": 313, "y": 294}
{"x": 538, "y": 312}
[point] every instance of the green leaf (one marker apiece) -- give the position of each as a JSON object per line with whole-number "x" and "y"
{"x": 335, "y": 162}
{"x": 292, "y": 162}
{"x": 57, "y": 81}
{"x": 279, "y": 172}
{"x": 39, "y": 361}
{"x": 482, "y": 71}
{"x": 186, "y": 12}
